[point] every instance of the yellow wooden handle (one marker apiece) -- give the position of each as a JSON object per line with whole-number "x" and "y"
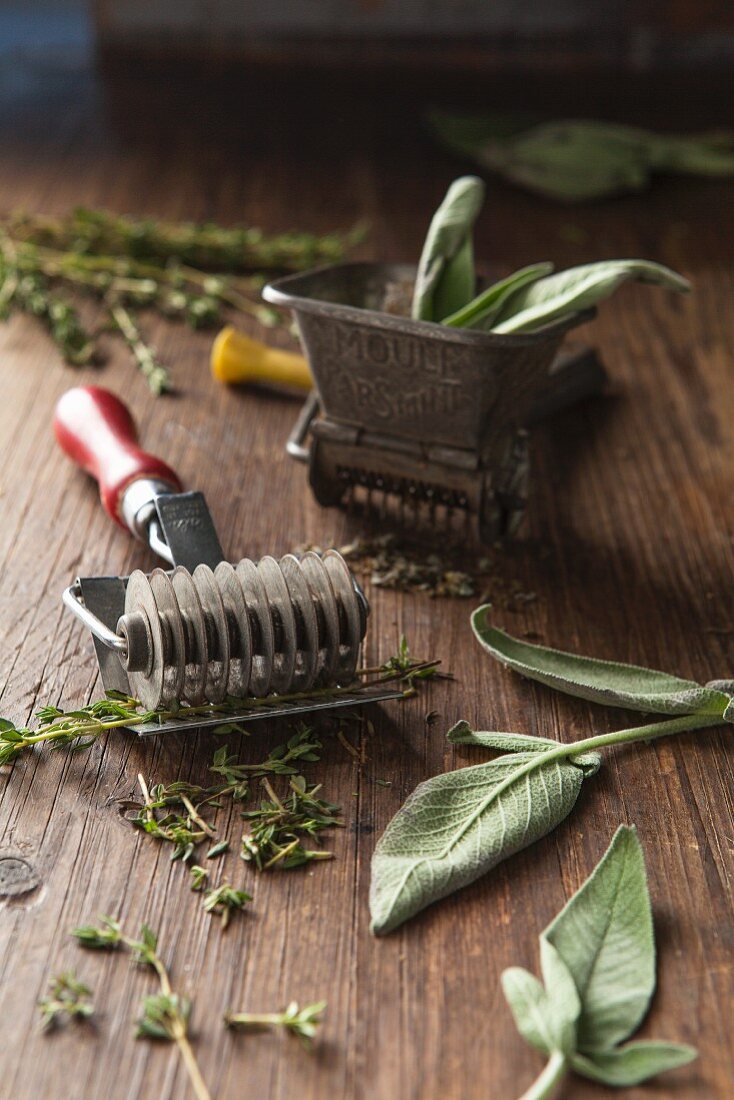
{"x": 237, "y": 358}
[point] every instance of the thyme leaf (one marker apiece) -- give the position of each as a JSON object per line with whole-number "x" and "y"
{"x": 67, "y": 999}
{"x": 224, "y": 900}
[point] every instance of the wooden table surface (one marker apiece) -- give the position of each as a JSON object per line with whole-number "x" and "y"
{"x": 628, "y": 545}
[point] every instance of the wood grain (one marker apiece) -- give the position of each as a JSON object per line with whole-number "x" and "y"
{"x": 628, "y": 545}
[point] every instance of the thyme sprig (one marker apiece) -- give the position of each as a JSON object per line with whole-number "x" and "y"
{"x": 199, "y": 877}
{"x": 225, "y": 900}
{"x": 67, "y": 999}
{"x": 156, "y": 374}
{"x": 172, "y": 812}
{"x": 182, "y": 270}
{"x": 303, "y": 746}
{"x": 276, "y": 828}
{"x": 164, "y": 1015}
{"x": 184, "y": 830}
{"x": 78, "y": 729}
{"x": 303, "y": 1023}
{"x": 401, "y": 664}
{"x": 204, "y": 245}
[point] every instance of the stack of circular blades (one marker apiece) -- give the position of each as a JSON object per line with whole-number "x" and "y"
{"x": 254, "y": 629}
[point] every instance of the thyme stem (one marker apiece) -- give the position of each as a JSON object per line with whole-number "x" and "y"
{"x": 90, "y": 722}
{"x": 156, "y": 375}
{"x": 178, "y": 1023}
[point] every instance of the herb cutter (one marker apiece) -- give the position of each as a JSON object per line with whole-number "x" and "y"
{"x": 273, "y": 634}
{"x": 429, "y": 419}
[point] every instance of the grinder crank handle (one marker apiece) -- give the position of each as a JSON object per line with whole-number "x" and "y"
{"x": 96, "y": 430}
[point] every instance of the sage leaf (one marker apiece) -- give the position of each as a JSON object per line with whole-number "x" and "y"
{"x": 567, "y": 292}
{"x": 598, "y": 964}
{"x": 608, "y": 682}
{"x": 572, "y": 160}
{"x": 604, "y": 936}
{"x": 445, "y": 280}
{"x": 633, "y": 1063}
{"x": 563, "y": 996}
{"x": 536, "y": 1014}
{"x": 455, "y": 827}
{"x": 707, "y": 154}
{"x": 481, "y": 312}
{"x": 463, "y": 734}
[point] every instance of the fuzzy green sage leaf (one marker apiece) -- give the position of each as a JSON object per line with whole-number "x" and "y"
{"x": 608, "y": 682}
{"x": 445, "y": 280}
{"x": 604, "y": 936}
{"x": 457, "y": 826}
{"x": 574, "y": 160}
{"x": 481, "y": 312}
{"x": 598, "y": 964}
{"x": 633, "y": 1063}
{"x": 554, "y": 297}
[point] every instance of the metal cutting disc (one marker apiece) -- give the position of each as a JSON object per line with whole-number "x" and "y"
{"x": 240, "y": 635}
{"x": 284, "y": 662}
{"x": 350, "y": 618}
{"x": 217, "y": 669}
{"x": 197, "y": 652}
{"x": 327, "y": 612}
{"x": 147, "y": 685}
{"x": 261, "y": 626}
{"x": 307, "y": 657}
{"x": 174, "y": 652}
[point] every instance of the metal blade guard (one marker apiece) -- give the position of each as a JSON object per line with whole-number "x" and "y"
{"x": 418, "y": 411}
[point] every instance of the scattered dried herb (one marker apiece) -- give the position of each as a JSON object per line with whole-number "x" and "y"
{"x": 183, "y": 271}
{"x": 598, "y": 964}
{"x": 67, "y": 999}
{"x": 303, "y": 1023}
{"x": 164, "y": 1015}
{"x": 574, "y": 161}
{"x": 394, "y": 561}
{"x": 457, "y": 826}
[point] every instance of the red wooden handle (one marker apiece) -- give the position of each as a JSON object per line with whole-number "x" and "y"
{"x": 96, "y": 430}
